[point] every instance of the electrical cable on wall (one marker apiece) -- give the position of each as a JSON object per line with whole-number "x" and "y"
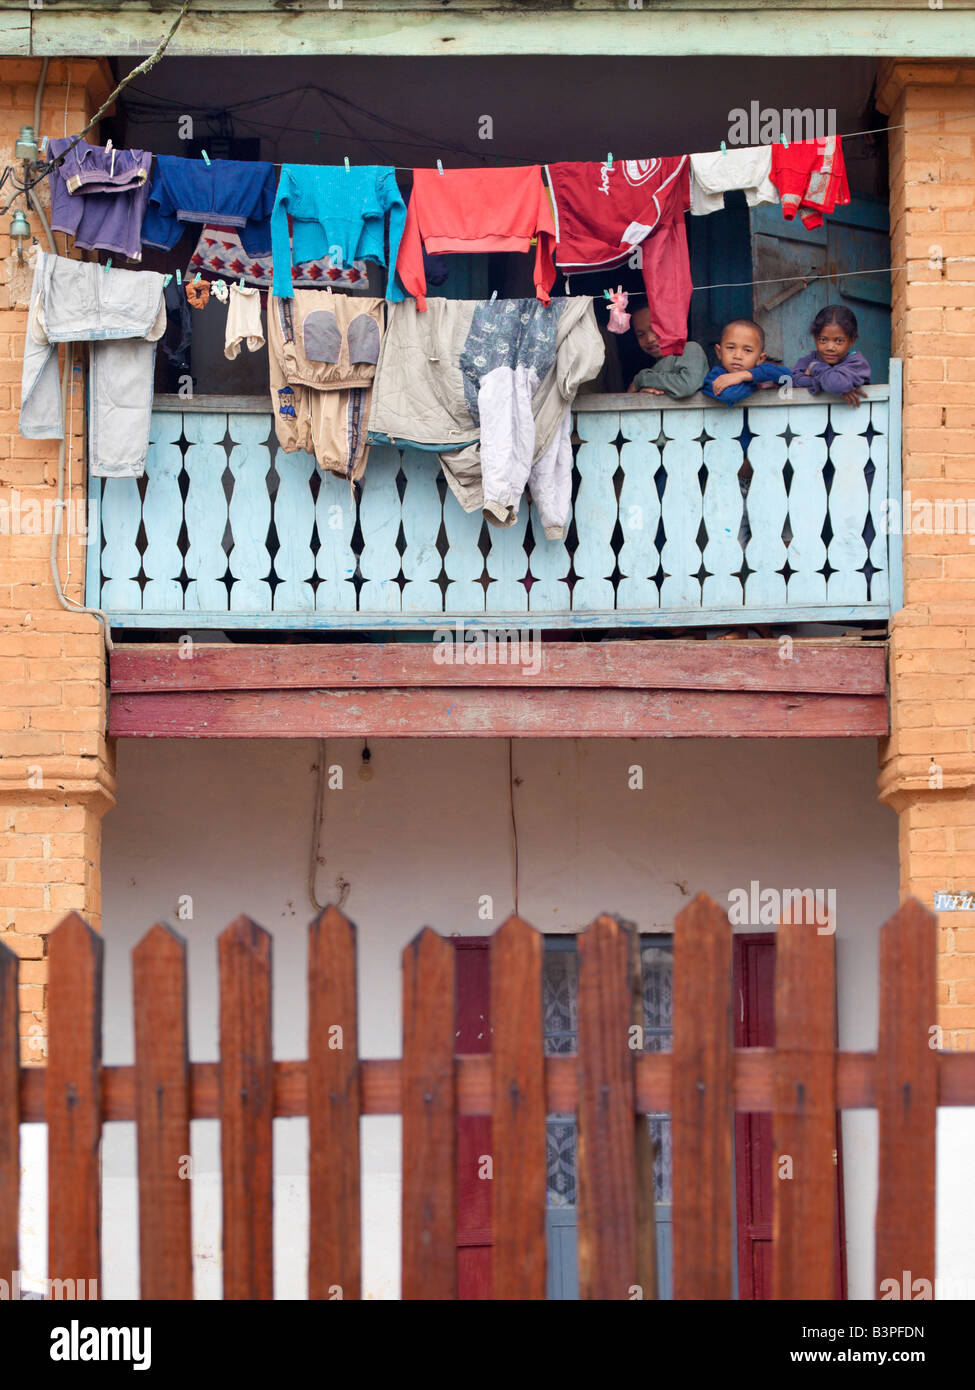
{"x": 318, "y": 821}
{"x": 514, "y": 823}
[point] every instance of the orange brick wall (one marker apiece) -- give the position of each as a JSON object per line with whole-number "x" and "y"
{"x": 56, "y": 772}
{"x": 928, "y": 764}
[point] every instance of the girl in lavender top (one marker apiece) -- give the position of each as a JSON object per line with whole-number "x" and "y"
{"x": 834, "y": 366}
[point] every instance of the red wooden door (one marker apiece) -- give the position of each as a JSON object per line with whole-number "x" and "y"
{"x": 754, "y": 973}
{"x": 474, "y": 1182}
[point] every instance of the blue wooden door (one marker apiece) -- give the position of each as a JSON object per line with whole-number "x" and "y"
{"x": 854, "y": 240}
{"x": 560, "y": 997}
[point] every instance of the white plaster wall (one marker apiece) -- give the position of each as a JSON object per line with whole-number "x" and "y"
{"x": 230, "y": 824}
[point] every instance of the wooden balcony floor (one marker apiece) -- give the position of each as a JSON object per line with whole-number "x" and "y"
{"x": 533, "y": 689}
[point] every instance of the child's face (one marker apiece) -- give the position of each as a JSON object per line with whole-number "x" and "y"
{"x": 740, "y": 348}
{"x": 832, "y": 344}
{"x": 645, "y": 336}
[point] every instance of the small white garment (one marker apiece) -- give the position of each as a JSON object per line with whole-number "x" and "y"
{"x": 243, "y": 320}
{"x": 715, "y": 174}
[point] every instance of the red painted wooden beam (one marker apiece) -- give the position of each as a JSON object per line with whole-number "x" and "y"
{"x": 480, "y": 712}
{"x": 807, "y": 666}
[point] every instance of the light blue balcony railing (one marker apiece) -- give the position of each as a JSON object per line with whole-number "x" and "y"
{"x": 684, "y": 513}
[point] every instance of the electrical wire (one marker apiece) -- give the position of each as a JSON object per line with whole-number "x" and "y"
{"x": 318, "y": 820}
{"x": 144, "y": 66}
{"x": 160, "y": 105}
{"x": 33, "y": 202}
{"x": 514, "y": 823}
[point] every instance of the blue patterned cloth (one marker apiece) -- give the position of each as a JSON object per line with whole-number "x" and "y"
{"x": 508, "y": 333}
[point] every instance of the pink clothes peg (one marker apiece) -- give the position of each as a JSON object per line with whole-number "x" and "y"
{"x": 619, "y": 319}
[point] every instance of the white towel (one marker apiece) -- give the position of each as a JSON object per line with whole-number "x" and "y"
{"x": 713, "y": 175}
{"x": 243, "y": 320}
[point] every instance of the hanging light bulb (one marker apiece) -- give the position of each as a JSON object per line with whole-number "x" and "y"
{"x": 19, "y": 229}
{"x": 26, "y": 146}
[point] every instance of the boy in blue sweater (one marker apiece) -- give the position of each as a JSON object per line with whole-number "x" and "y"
{"x": 741, "y": 364}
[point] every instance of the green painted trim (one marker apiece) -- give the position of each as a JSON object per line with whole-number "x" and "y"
{"x": 543, "y": 29}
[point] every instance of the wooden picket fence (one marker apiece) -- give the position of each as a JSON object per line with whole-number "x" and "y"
{"x": 701, "y": 1083}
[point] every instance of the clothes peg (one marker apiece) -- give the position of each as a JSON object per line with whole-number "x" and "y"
{"x": 784, "y": 141}
{"x": 439, "y": 167}
{"x": 206, "y": 158}
{"x": 494, "y": 295}
{"x": 166, "y": 280}
{"x": 44, "y": 144}
{"x": 108, "y": 263}
{"x": 724, "y": 148}
{"x": 198, "y": 278}
{"x": 108, "y": 146}
{"x": 609, "y": 161}
{"x": 347, "y": 169}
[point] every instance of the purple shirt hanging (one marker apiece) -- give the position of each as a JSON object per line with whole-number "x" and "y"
{"x": 99, "y": 196}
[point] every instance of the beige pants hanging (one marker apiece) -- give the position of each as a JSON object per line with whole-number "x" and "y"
{"x": 329, "y": 424}
{"x": 322, "y": 350}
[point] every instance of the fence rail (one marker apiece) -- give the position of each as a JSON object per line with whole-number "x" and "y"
{"x": 609, "y": 1084}
{"x": 684, "y": 513}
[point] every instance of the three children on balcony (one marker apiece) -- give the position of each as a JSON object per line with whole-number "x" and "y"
{"x": 834, "y": 366}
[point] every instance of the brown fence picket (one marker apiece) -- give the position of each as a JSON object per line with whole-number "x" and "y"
{"x": 907, "y": 1099}
{"x": 518, "y": 1112}
{"x": 162, "y": 1100}
{"x": 9, "y": 1113}
{"x": 804, "y": 1117}
{"x": 607, "y": 1195}
{"x": 646, "y": 1226}
{"x": 702, "y": 1105}
{"x": 73, "y": 1104}
{"x": 429, "y": 1120}
{"x": 334, "y": 1258}
{"x": 246, "y": 1109}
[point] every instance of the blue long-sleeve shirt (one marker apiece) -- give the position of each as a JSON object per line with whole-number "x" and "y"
{"x": 836, "y": 378}
{"x": 331, "y": 206}
{"x": 734, "y": 395}
{"x": 235, "y": 192}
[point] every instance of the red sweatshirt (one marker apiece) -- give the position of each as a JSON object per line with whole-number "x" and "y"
{"x": 810, "y": 174}
{"x": 604, "y": 211}
{"x": 476, "y": 210}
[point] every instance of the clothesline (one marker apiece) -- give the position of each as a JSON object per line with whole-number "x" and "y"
{"x": 788, "y": 279}
{"x": 425, "y": 141}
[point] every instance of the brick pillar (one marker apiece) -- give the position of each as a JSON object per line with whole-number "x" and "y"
{"x": 56, "y": 769}
{"x": 928, "y": 763}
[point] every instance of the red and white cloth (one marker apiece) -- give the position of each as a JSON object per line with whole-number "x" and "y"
{"x": 810, "y": 174}
{"x": 603, "y": 212}
{"x": 219, "y": 251}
